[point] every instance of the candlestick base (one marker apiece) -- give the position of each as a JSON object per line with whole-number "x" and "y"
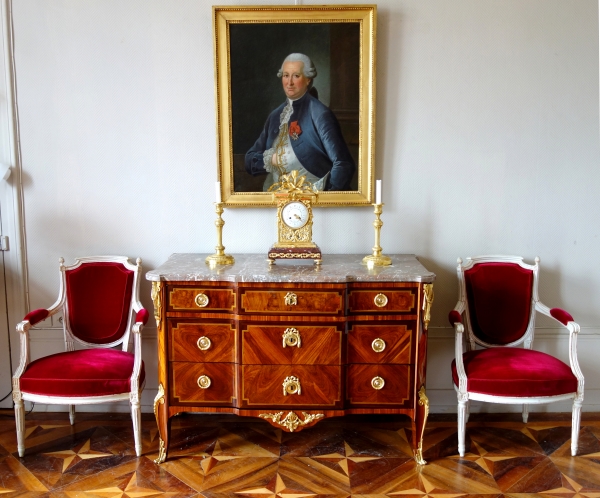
{"x": 377, "y": 260}
{"x": 220, "y": 259}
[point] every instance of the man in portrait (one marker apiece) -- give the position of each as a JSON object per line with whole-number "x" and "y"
{"x": 301, "y": 134}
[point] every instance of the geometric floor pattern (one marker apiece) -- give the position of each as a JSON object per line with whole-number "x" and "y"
{"x": 358, "y": 456}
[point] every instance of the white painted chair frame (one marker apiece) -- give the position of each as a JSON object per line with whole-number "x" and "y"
{"x": 470, "y": 341}
{"x": 125, "y": 341}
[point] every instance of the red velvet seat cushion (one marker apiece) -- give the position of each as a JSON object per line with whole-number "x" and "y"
{"x": 89, "y": 372}
{"x": 506, "y": 371}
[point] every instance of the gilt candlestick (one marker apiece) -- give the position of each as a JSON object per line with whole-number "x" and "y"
{"x": 377, "y": 259}
{"x": 219, "y": 257}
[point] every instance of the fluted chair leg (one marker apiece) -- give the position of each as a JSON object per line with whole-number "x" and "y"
{"x": 72, "y": 414}
{"x": 525, "y": 413}
{"x": 20, "y": 422}
{"x": 462, "y": 422}
{"x": 575, "y": 422}
{"x": 136, "y": 416}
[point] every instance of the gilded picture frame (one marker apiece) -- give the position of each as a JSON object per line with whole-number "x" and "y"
{"x": 250, "y": 45}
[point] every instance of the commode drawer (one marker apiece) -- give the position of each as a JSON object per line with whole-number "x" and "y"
{"x": 291, "y": 385}
{"x": 201, "y": 298}
{"x": 203, "y": 383}
{"x": 201, "y": 341}
{"x": 293, "y": 300}
{"x": 374, "y": 300}
{"x": 379, "y": 385}
{"x": 381, "y": 343}
{"x": 280, "y": 344}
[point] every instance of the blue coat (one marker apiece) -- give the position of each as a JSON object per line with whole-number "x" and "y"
{"x": 320, "y": 147}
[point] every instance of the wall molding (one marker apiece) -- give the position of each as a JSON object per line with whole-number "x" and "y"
{"x": 442, "y": 399}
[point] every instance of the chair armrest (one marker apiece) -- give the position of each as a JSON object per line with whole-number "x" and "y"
{"x": 560, "y": 315}
{"x": 32, "y": 318}
{"x": 454, "y": 317}
{"x": 142, "y": 316}
{"x": 37, "y": 316}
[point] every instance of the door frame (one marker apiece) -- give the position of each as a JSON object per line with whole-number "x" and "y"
{"x": 11, "y": 193}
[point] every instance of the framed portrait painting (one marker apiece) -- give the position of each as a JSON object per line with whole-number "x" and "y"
{"x": 295, "y": 90}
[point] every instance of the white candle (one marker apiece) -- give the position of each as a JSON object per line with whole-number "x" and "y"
{"x": 378, "y": 192}
{"x": 218, "y": 191}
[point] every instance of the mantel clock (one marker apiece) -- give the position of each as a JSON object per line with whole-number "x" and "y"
{"x": 294, "y": 198}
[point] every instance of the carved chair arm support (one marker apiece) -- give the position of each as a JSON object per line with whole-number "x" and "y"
{"x": 458, "y": 354}
{"x": 137, "y": 350}
{"x": 565, "y": 319}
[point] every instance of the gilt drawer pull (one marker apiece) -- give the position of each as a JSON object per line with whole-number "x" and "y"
{"x": 204, "y": 343}
{"x": 291, "y": 385}
{"x": 378, "y": 345}
{"x": 291, "y": 337}
{"x": 377, "y": 383}
{"x": 380, "y": 300}
{"x": 204, "y": 382}
{"x": 201, "y": 300}
{"x": 291, "y": 299}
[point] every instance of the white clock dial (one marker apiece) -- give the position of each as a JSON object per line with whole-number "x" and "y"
{"x": 294, "y": 214}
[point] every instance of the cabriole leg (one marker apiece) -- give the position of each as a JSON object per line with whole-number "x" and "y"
{"x": 20, "y": 422}
{"x": 418, "y": 425}
{"x": 575, "y": 422}
{"x": 163, "y": 423}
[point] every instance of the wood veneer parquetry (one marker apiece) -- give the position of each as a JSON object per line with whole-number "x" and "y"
{"x": 262, "y": 344}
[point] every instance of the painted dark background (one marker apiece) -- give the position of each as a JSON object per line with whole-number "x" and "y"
{"x": 257, "y": 52}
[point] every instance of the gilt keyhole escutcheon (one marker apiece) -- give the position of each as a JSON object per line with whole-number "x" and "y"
{"x": 291, "y": 385}
{"x": 291, "y": 337}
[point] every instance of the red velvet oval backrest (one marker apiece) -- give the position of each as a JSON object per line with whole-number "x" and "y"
{"x": 499, "y": 301}
{"x": 99, "y": 301}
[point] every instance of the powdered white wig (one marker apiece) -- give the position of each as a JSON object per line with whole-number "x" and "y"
{"x": 309, "y": 70}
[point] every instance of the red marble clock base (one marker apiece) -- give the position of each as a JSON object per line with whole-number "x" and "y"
{"x": 308, "y": 253}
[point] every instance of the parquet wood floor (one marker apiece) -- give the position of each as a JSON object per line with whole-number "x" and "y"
{"x": 226, "y": 456}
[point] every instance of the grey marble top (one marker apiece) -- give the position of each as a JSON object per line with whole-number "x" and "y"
{"x": 255, "y": 268}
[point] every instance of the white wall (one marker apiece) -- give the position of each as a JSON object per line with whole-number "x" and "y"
{"x": 487, "y": 142}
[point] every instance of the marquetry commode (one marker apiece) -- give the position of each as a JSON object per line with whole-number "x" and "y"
{"x": 292, "y": 343}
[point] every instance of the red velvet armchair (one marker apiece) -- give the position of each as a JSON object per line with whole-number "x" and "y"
{"x": 102, "y": 314}
{"x": 498, "y": 298}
